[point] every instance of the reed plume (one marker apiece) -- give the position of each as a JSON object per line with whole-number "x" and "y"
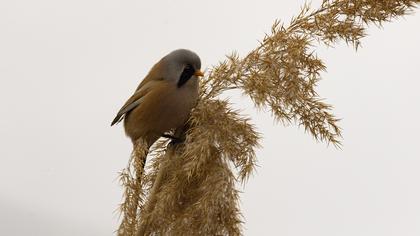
{"x": 189, "y": 188}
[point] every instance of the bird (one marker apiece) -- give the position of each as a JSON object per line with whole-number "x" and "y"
{"x": 164, "y": 98}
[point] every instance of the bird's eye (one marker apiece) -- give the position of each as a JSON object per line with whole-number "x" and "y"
{"x": 186, "y": 74}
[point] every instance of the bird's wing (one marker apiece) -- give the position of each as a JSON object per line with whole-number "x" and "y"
{"x": 135, "y": 100}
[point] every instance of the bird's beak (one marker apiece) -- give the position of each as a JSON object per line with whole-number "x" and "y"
{"x": 199, "y": 73}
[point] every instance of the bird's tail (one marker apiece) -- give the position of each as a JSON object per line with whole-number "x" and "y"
{"x": 132, "y": 182}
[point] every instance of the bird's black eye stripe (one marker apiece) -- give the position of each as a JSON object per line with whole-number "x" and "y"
{"x": 186, "y": 75}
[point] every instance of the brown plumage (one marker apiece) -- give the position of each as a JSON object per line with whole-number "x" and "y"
{"x": 164, "y": 99}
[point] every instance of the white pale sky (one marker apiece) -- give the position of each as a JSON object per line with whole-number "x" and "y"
{"x": 67, "y": 66}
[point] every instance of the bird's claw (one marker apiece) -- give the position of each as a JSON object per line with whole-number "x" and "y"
{"x": 174, "y": 140}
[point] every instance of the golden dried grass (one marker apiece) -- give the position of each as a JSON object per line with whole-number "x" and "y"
{"x": 189, "y": 188}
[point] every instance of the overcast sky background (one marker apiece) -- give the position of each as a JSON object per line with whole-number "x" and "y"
{"x": 66, "y": 67}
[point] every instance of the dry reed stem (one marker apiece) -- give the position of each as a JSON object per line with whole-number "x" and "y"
{"x": 131, "y": 179}
{"x": 192, "y": 186}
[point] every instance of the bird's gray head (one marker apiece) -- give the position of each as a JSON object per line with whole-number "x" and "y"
{"x": 181, "y": 65}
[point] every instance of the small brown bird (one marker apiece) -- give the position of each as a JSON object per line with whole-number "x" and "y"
{"x": 163, "y": 100}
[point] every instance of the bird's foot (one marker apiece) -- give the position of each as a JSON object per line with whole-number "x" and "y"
{"x": 174, "y": 140}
